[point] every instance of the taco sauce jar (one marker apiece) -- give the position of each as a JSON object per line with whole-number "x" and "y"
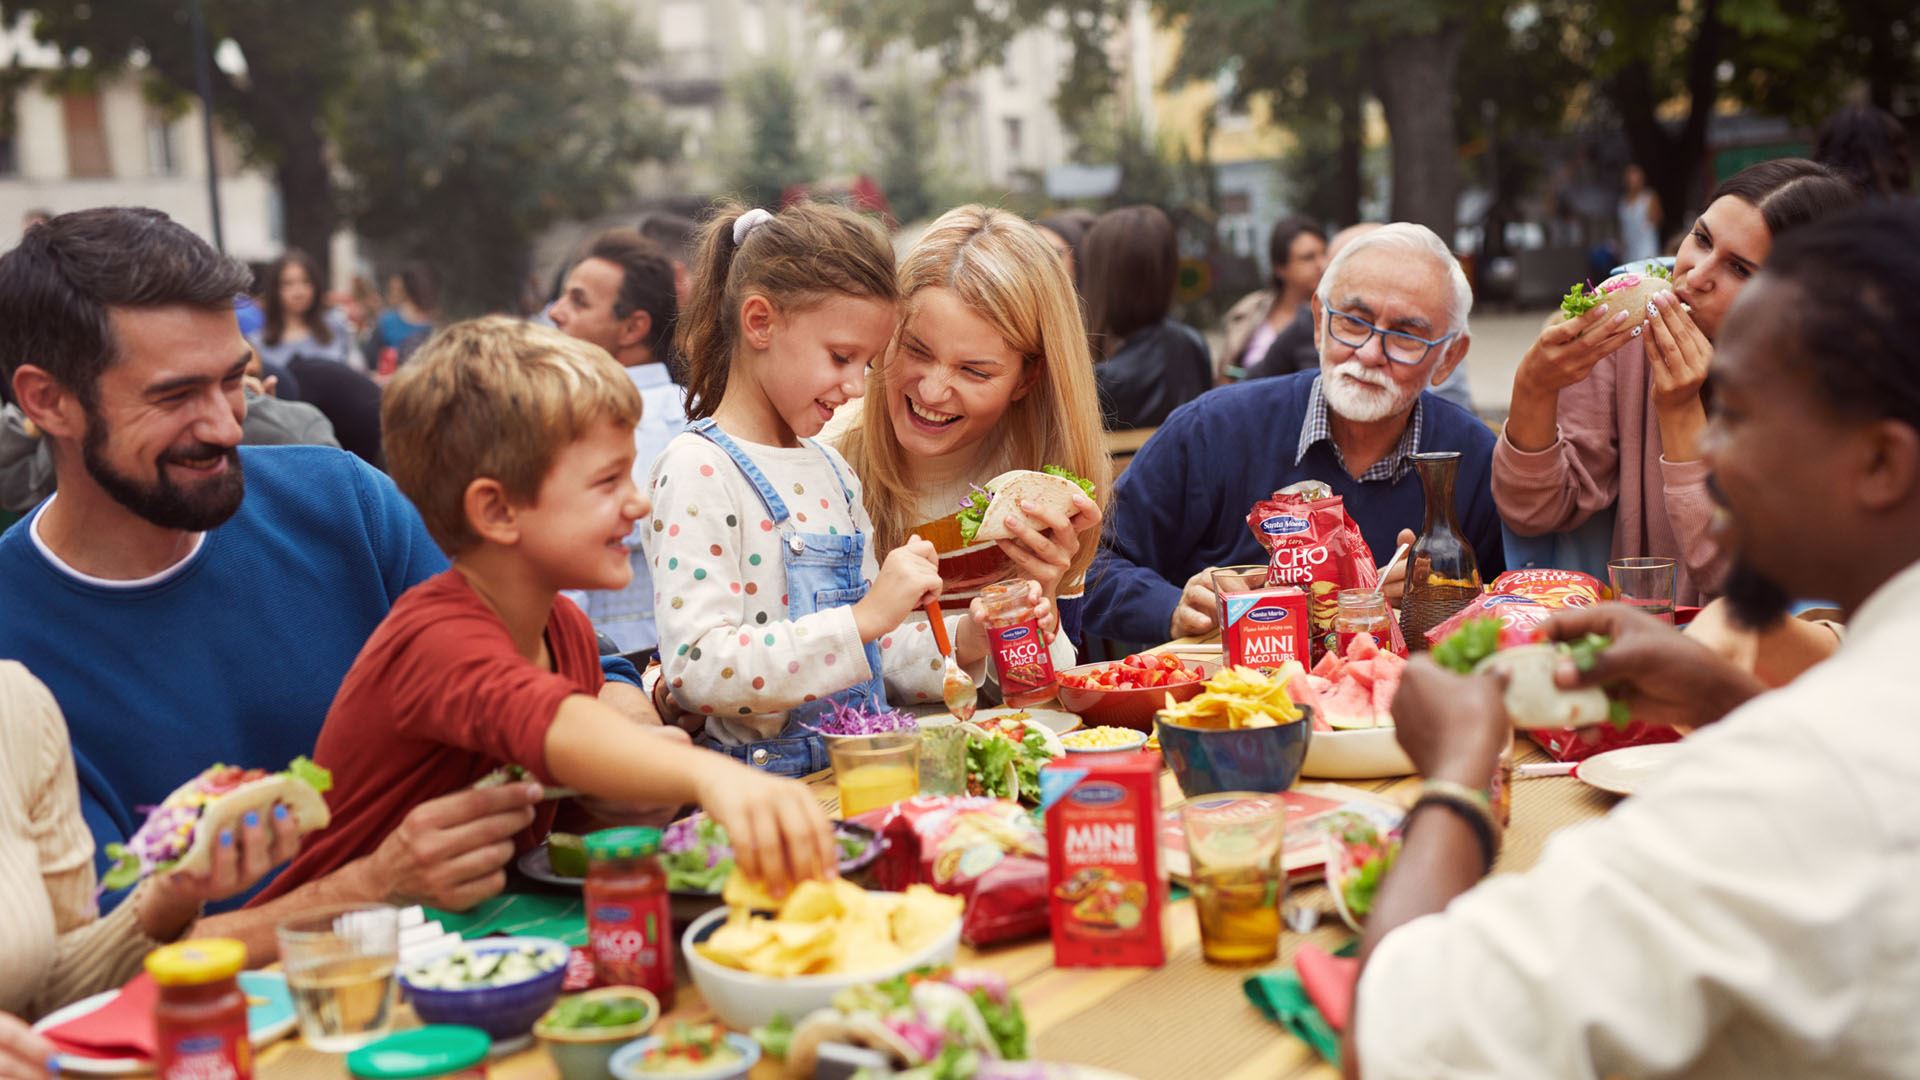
{"x": 1020, "y": 655}
{"x": 200, "y": 1013}
{"x": 1362, "y": 611}
{"x": 629, "y": 925}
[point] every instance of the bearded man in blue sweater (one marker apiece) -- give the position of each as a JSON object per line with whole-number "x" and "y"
{"x": 1390, "y": 321}
{"x": 183, "y": 615}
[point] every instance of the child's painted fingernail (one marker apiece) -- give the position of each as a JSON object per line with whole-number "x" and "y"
{"x": 253, "y": 819}
{"x": 226, "y": 837}
{"x": 279, "y": 811}
{"x": 53, "y": 1065}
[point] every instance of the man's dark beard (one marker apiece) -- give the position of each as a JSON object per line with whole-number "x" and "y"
{"x": 1753, "y": 599}
{"x": 164, "y": 503}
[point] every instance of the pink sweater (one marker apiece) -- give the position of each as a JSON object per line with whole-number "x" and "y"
{"x": 1663, "y": 506}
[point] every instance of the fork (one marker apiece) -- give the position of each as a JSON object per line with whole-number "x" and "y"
{"x": 956, "y": 689}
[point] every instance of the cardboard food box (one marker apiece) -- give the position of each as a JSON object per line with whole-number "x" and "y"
{"x": 1265, "y": 628}
{"x": 1106, "y": 889}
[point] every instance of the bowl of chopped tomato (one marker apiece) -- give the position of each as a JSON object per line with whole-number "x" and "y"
{"x": 1127, "y": 693}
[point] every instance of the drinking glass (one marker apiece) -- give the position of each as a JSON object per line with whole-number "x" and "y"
{"x": 872, "y": 771}
{"x": 340, "y": 965}
{"x": 1235, "y": 579}
{"x": 1234, "y": 841}
{"x": 943, "y": 756}
{"x": 1645, "y": 583}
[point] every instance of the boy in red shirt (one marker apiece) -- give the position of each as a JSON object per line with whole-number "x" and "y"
{"x": 516, "y": 444}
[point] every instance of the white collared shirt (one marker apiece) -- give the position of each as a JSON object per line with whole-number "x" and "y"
{"x": 1754, "y": 912}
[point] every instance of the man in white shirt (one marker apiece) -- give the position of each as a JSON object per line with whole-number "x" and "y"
{"x": 621, "y": 298}
{"x": 1755, "y": 910}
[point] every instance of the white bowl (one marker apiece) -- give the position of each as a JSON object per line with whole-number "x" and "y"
{"x": 743, "y": 1000}
{"x": 1356, "y": 754}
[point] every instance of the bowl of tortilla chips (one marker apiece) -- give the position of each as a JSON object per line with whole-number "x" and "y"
{"x": 758, "y": 956}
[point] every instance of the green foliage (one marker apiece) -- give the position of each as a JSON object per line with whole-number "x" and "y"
{"x": 910, "y": 168}
{"x": 774, "y": 154}
{"x": 480, "y": 123}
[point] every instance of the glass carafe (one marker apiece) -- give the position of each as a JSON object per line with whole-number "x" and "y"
{"x": 1442, "y": 575}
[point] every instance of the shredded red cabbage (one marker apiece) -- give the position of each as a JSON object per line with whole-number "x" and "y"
{"x": 855, "y": 720}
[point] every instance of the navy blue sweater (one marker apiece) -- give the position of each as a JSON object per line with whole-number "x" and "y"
{"x": 1182, "y": 504}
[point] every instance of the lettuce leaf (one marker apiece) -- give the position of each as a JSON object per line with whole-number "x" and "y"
{"x": 973, "y": 513}
{"x": 987, "y": 759}
{"x": 775, "y": 1036}
{"x": 1005, "y": 1022}
{"x": 304, "y": 770}
{"x": 125, "y": 870}
{"x": 1086, "y": 485}
{"x": 1579, "y": 300}
{"x": 1474, "y": 641}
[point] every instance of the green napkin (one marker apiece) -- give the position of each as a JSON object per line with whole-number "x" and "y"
{"x": 1278, "y": 995}
{"x": 519, "y": 914}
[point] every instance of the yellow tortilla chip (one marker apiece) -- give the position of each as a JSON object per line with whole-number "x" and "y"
{"x": 922, "y": 916}
{"x": 742, "y": 891}
{"x": 812, "y": 901}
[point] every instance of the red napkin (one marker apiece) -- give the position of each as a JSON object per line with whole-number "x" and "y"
{"x": 121, "y": 1029}
{"x": 1329, "y": 982}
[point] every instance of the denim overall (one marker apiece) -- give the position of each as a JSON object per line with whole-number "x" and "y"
{"x": 823, "y": 571}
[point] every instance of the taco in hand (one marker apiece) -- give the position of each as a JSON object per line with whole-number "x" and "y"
{"x": 985, "y": 514}
{"x": 181, "y": 832}
{"x": 1632, "y": 290}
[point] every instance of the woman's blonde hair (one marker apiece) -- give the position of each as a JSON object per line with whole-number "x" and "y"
{"x": 799, "y": 257}
{"x": 1006, "y": 273}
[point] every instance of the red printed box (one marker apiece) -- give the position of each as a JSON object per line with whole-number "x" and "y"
{"x": 1265, "y": 628}
{"x": 1106, "y": 890}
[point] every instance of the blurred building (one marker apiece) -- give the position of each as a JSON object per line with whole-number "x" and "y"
{"x": 108, "y": 144}
{"x": 998, "y": 124}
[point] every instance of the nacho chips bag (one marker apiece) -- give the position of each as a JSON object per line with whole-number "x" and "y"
{"x": 1313, "y": 544}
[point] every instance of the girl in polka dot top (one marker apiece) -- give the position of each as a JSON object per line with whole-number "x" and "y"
{"x": 771, "y": 603}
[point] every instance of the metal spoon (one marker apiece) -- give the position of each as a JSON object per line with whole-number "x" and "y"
{"x": 958, "y": 691}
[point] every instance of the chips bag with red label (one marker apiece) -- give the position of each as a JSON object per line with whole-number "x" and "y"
{"x": 1313, "y": 544}
{"x": 1554, "y": 588}
{"x": 1524, "y": 599}
{"x": 986, "y": 851}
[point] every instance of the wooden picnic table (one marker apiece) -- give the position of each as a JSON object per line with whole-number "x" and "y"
{"x": 1185, "y": 1019}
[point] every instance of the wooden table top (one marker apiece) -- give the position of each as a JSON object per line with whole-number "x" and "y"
{"x": 1185, "y": 1019}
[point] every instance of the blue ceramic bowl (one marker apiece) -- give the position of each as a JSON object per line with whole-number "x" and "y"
{"x": 1250, "y": 759}
{"x": 503, "y": 1012}
{"x": 626, "y": 1063}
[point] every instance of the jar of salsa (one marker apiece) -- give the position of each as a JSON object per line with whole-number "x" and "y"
{"x": 200, "y": 1013}
{"x": 629, "y": 924}
{"x": 1020, "y": 655}
{"x": 1362, "y": 611}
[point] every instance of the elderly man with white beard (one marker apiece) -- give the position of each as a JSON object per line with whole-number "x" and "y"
{"x": 1390, "y": 322}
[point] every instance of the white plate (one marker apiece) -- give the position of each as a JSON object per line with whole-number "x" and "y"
{"x": 1356, "y": 754}
{"x": 1628, "y": 769}
{"x": 267, "y": 1023}
{"x": 1058, "y": 720}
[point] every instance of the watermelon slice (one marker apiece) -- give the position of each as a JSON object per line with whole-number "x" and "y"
{"x": 1362, "y": 647}
{"x": 1350, "y": 706}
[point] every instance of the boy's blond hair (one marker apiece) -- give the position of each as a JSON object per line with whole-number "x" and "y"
{"x": 498, "y": 398}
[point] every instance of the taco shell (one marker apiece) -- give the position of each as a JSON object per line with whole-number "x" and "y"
{"x": 1629, "y": 291}
{"x": 1011, "y": 488}
{"x": 1533, "y": 701}
{"x": 309, "y": 808}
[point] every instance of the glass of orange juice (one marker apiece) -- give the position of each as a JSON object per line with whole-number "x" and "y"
{"x": 872, "y": 771}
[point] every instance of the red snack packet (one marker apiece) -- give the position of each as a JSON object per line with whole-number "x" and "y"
{"x": 1517, "y": 614}
{"x": 1313, "y": 544}
{"x": 1553, "y": 588}
{"x": 986, "y": 851}
{"x": 1107, "y": 889}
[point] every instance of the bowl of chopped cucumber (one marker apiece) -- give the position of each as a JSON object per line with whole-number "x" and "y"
{"x": 499, "y": 985}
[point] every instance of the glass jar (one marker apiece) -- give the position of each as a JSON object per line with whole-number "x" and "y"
{"x": 1362, "y": 611}
{"x": 1442, "y": 574}
{"x": 629, "y": 922}
{"x": 1020, "y": 655}
{"x": 200, "y": 1013}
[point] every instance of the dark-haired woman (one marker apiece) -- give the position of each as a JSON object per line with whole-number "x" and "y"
{"x": 1607, "y": 408}
{"x": 1146, "y": 364}
{"x": 298, "y": 324}
{"x": 408, "y": 321}
{"x": 1270, "y": 332}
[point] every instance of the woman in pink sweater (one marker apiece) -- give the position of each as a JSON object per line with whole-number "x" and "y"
{"x": 1607, "y": 408}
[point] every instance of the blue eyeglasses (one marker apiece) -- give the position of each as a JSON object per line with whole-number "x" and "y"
{"x": 1397, "y": 345}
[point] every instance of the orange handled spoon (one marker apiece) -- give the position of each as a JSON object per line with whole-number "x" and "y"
{"x": 961, "y": 696}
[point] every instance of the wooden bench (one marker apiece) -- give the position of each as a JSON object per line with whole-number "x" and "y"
{"x": 1122, "y": 445}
